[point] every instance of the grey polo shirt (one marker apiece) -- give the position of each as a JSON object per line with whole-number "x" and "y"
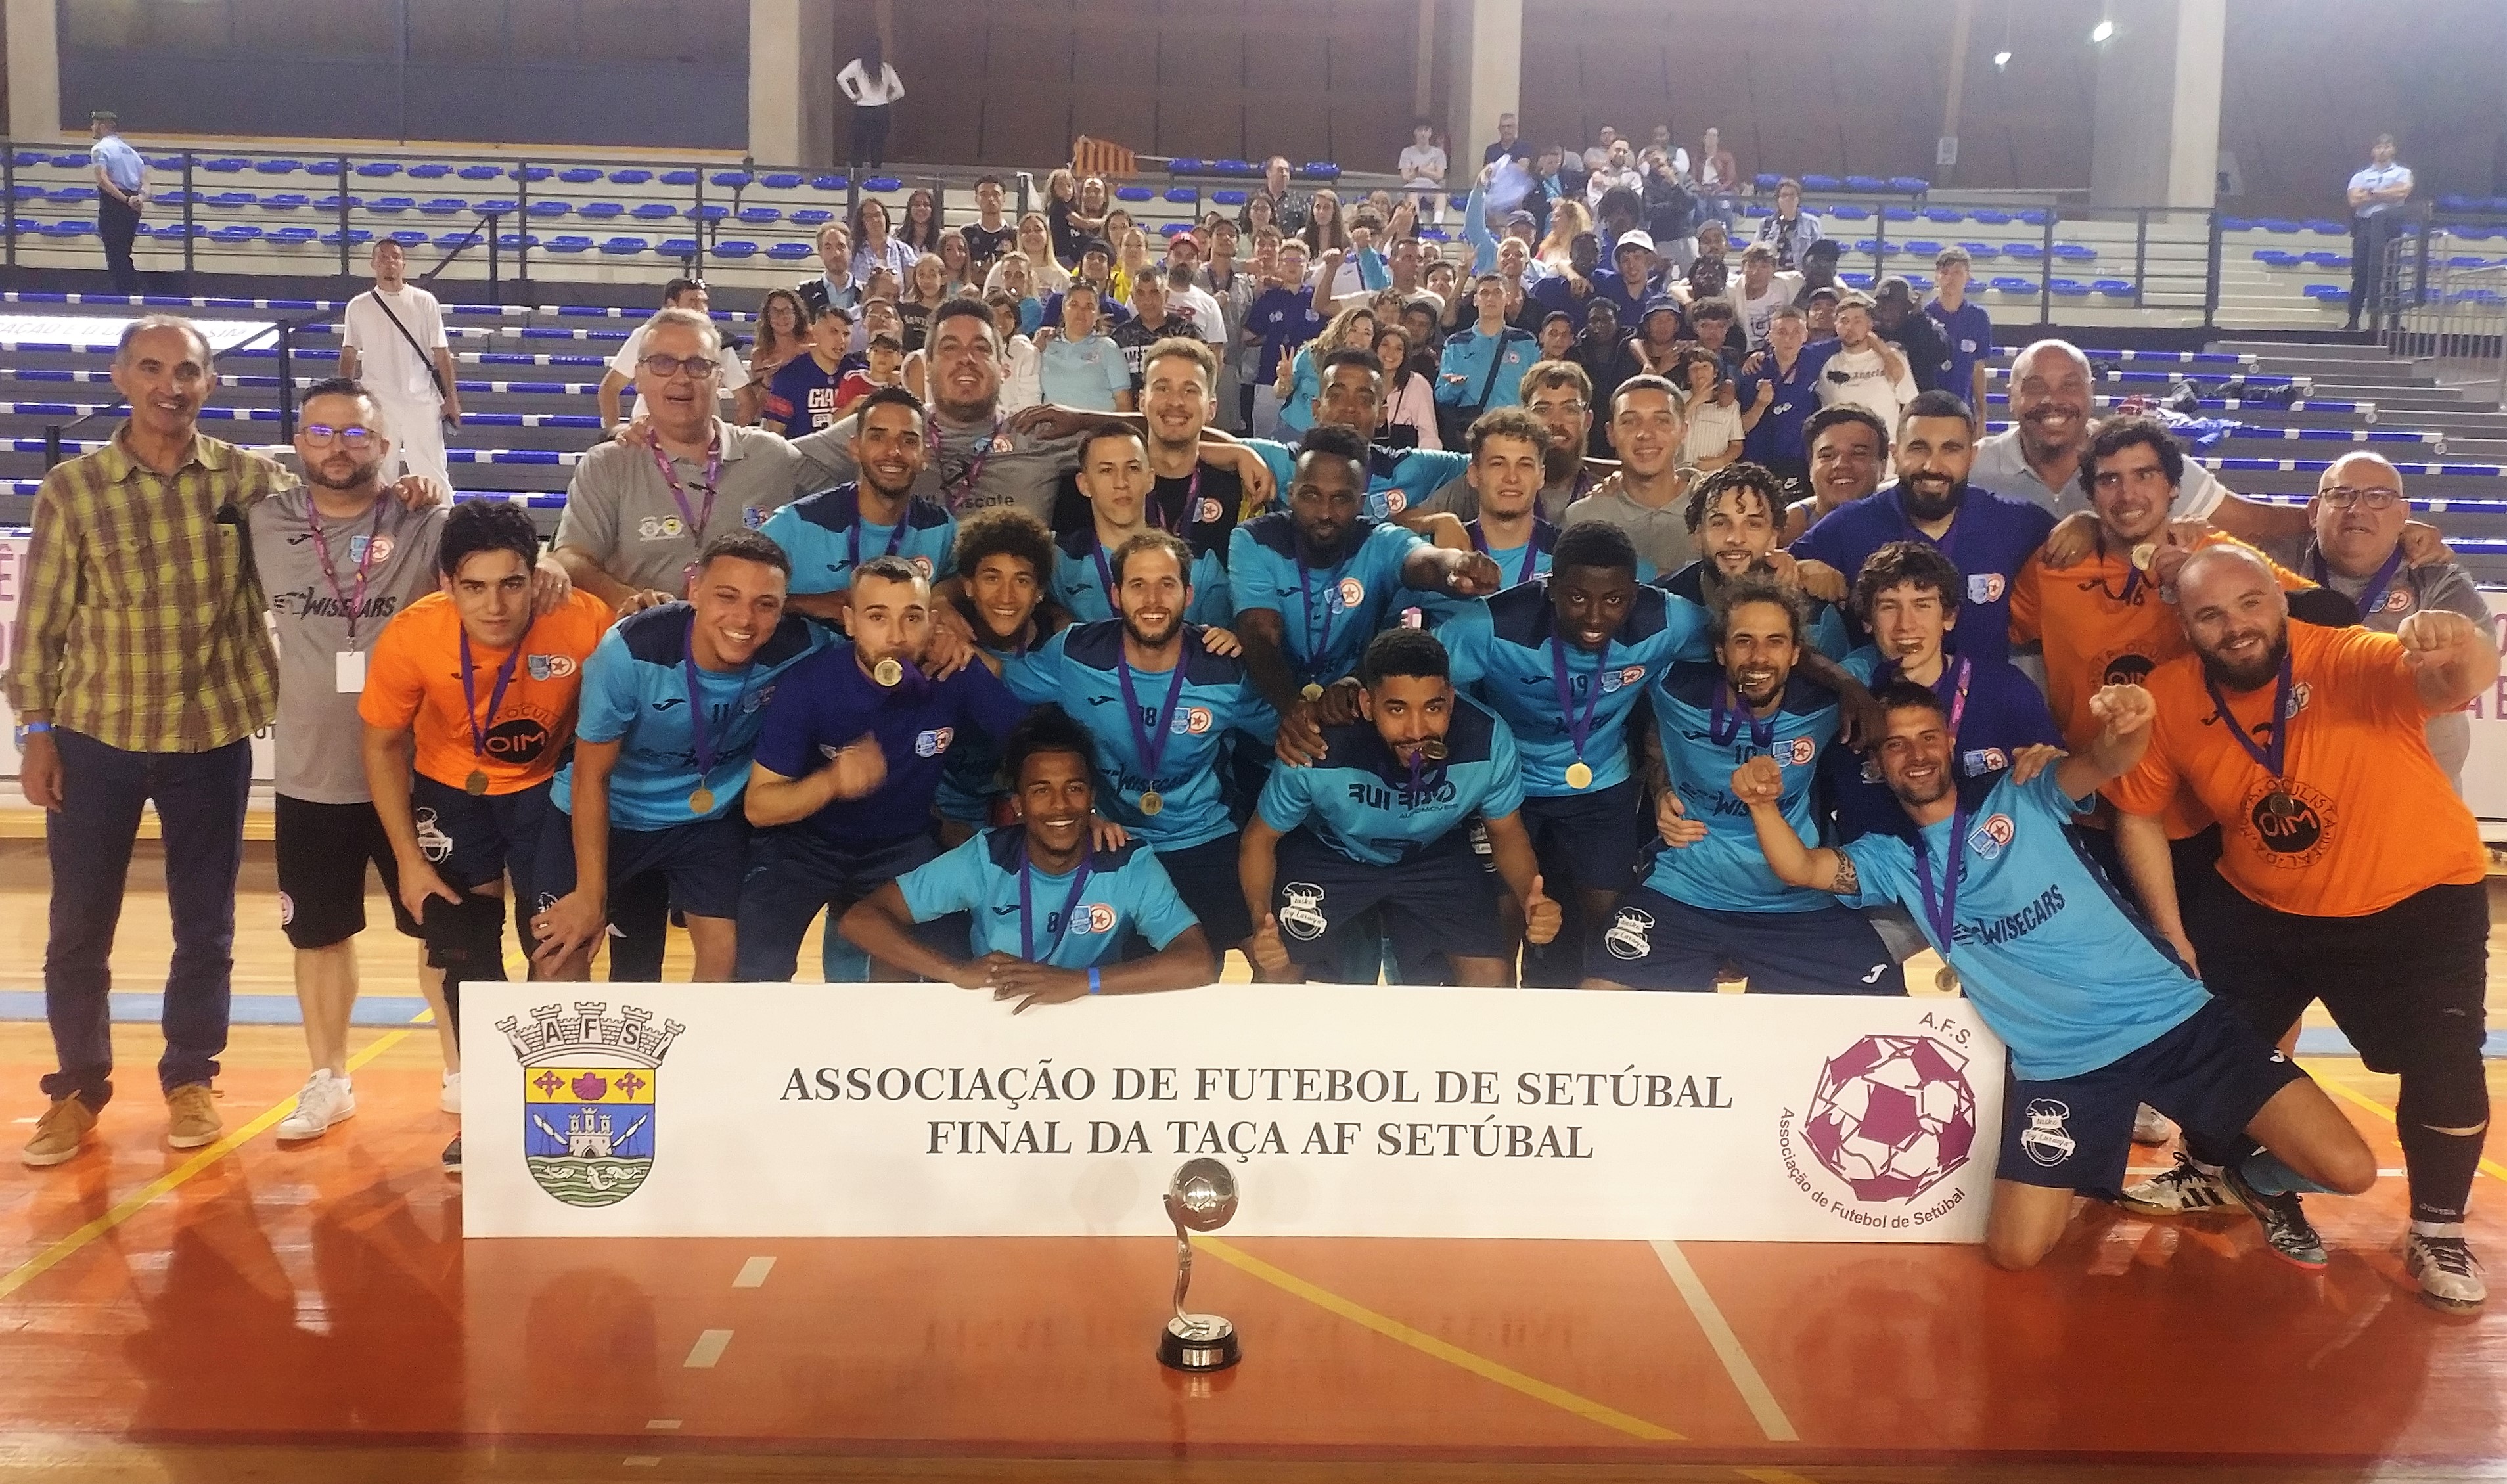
{"x": 619, "y": 508}
{"x": 2001, "y": 467}
{"x": 979, "y": 466}
{"x": 1457, "y": 498}
{"x": 1661, "y": 537}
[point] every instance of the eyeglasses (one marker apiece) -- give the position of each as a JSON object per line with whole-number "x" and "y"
{"x": 2343, "y": 497}
{"x": 323, "y": 434}
{"x": 666, "y": 366}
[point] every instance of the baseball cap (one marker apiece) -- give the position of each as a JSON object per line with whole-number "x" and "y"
{"x": 1659, "y": 303}
{"x": 1854, "y": 299}
{"x": 1633, "y": 237}
{"x": 1520, "y": 218}
{"x": 1825, "y": 247}
{"x": 1893, "y": 287}
{"x": 1088, "y": 245}
{"x": 1828, "y": 291}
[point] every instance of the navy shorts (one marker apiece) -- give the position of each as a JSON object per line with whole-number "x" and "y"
{"x": 794, "y": 874}
{"x": 2212, "y": 1074}
{"x": 323, "y": 850}
{"x": 1440, "y": 903}
{"x": 1206, "y": 877}
{"x": 704, "y": 860}
{"x": 475, "y": 841}
{"x": 1591, "y": 839}
{"x": 1657, "y": 943}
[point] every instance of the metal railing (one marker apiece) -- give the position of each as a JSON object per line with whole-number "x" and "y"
{"x": 285, "y": 330}
{"x": 2437, "y": 294}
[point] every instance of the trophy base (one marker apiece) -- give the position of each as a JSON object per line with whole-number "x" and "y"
{"x": 1205, "y": 1342}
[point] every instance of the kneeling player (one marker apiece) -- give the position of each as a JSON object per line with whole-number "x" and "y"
{"x": 671, "y": 704}
{"x": 1384, "y": 821}
{"x": 2099, "y": 1016}
{"x": 1051, "y": 915}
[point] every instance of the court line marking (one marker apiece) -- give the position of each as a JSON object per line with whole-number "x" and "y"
{"x": 752, "y": 1272}
{"x": 2488, "y": 1166}
{"x": 708, "y": 1350}
{"x": 1427, "y": 1344}
{"x": 663, "y": 1425}
{"x": 1745, "y": 1377}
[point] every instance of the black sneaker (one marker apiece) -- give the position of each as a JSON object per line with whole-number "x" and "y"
{"x": 453, "y": 1157}
{"x": 2286, "y": 1229}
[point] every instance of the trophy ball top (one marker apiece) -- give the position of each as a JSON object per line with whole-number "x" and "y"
{"x": 1202, "y": 1195}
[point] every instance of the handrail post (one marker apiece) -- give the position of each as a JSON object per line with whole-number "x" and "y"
{"x": 2140, "y": 252}
{"x": 9, "y": 189}
{"x": 2046, "y": 269}
{"x": 286, "y": 382}
{"x": 2211, "y": 275}
{"x": 345, "y": 268}
{"x": 189, "y": 224}
{"x": 697, "y": 226}
{"x": 496, "y": 279}
{"x": 522, "y": 214}
{"x": 52, "y": 447}
{"x": 1880, "y": 244}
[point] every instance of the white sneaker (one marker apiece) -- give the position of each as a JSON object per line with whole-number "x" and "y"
{"x": 2185, "y": 1190}
{"x": 2450, "y": 1275}
{"x": 2149, "y": 1126}
{"x": 325, "y": 1100}
{"x": 449, "y": 1099}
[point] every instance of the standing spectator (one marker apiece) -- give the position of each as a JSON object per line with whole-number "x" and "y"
{"x": 1865, "y": 371}
{"x": 871, "y": 84}
{"x": 1781, "y": 380}
{"x": 783, "y": 333}
{"x": 1423, "y": 169}
{"x": 1762, "y": 293}
{"x": 1598, "y": 158}
{"x": 1717, "y": 421}
{"x": 1483, "y": 365}
{"x": 121, "y": 178}
{"x": 1190, "y": 299}
{"x": 1670, "y": 211}
{"x": 1672, "y": 154}
{"x": 1149, "y": 324}
{"x": 392, "y": 338}
{"x": 1281, "y": 317}
{"x": 1894, "y": 319}
{"x": 991, "y": 234}
{"x": 1233, "y": 288}
{"x": 1044, "y": 268}
{"x": 1062, "y": 217}
{"x": 1507, "y": 146}
{"x": 687, "y": 294}
{"x": 1718, "y": 173}
{"x": 1967, "y": 330}
{"x": 834, "y": 283}
{"x": 1817, "y": 274}
{"x": 874, "y": 249}
{"x": 806, "y": 393}
{"x": 1791, "y": 231}
{"x": 1409, "y": 398}
{"x": 1288, "y": 208}
{"x": 1617, "y": 172}
{"x": 2375, "y": 192}
{"x": 1603, "y": 351}
{"x": 927, "y": 288}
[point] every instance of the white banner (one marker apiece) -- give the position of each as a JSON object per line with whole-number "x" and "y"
{"x": 925, "y": 1110}
{"x": 2484, "y": 768}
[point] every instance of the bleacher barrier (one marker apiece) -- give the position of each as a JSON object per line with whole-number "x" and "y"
{"x": 923, "y": 1110}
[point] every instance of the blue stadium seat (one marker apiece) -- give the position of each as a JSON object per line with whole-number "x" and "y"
{"x": 2032, "y": 217}
{"x": 780, "y": 180}
{"x": 676, "y": 247}
{"x": 711, "y": 211}
{"x": 231, "y": 200}
{"x": 498, "y": 205}
{"x": 2235, "y": 224}
{"x": 25, "y": 158}
{"x": 2112, "y": 288}
{"x": 1235, "y": 167}
{"x": 2068, "y": 288}
{"x": 2273, "y": 257}
{"x": 1850, "y": 213}
{"x": 232, "y": 233}
{"x": 654, "y": 211}
{"x": 79, "y": 195}
{"x": 549, "y": 209}
{"x": 1187, "y": 166}
{"x": 1435, "y": 235}
{"x": 225, "y": 165}
{"x": 1923, "y": 249}
{"x": 629, "y": 178}
{"x": 1912, "y": 185}
{"x": 1318, "y": 169}
{"x": 1945, "y": 215}
{"x": 830, "y": 182}
{"x": 2005, "y": 284}
{"x": 1869, "y": 185}
{"x": 451, "y": 239}
{"x": 678, "y": 177}
{"x": 378, "y": 169}
{"x": 1174, "y": 229}
{"x": 1986, "y": 217}
{"x": 1133, "y": 194}
{"x": 1855, "y": 280}
{"x": 882, "y": 183}
{"x": 733, "y": 180}
{"x": 2324, "y": 229}
{"x": 601, "y": 211}
{"x": 1920, "y": 283}
{"x": 68, "y": 229}
{"x": 159, "y": 198}
{"x": 294, "y": 237}
{"x": 444, "y": 205}
{"x": 1981, "y": 252}
{"x": 1820, "y": 183}
{"x": 581, "y": 175}
{"x": 429, "y": 171}
{"x": 1767, "y": 180}
{"x": 2279, "y": 224}
{"x": 1864, "y": 246}
{"x": 359, "y": 237}
{"x": 331, "y": 202}
{"x": 729, "y": 248}
{"x": 409, "y": 237}
{"x": 279, "y": 166}
{"x": 1758, "y": 210}
{"x": 284, "y": 200}
{"x": 810, "y": 216}
{"x": 570, "y": 244}
{"x": 328, "y": 170}
{"x": 511, "y": 240}
{"x": 1237, "y": 198}
{"x": 762, "y": 216}
{"x": 1183, "y": 195}
{"x": 788, "y": 252}
{"x": 533, "y": 172}
{"x": 1898, "y": 213}
{"x": 2076, "y": 252}
{"x": 2461, "y": 203}
{"x": 2025, "y": 252}
{"x": 479, "y": 172}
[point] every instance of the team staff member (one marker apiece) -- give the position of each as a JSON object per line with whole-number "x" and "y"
{"x": 2351, "y": 871}
{"x": 2001, "y": 892}
{"x": 1004, "y": 567}
{"x": 391, "y": 337}
{"x": 1713, "y": 902}
{"x": 626, "y": 365}
{"x": 1052, "y": 912}
{"x": 469, "y": 703}
{"x": 671, "y": 714}
{"x": 1482, "y": 365}
{"x": 122, "y": 194}
{"x": 831, "y": 534}
{"x": 1384, "y": 824}
{"x": 846, "y": 769}
{"x": 1114, "y": 481}
{"x": 1989, "y": 538}
{"x": 142, "y": 668}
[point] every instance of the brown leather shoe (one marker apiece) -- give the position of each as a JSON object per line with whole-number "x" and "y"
{"x": 59, "y": 1133}
{"x": 191, "y": 1114}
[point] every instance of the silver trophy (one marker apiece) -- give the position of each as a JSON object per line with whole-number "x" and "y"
{"x": 1201, "y": 1198}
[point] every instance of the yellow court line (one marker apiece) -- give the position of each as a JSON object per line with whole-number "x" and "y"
{"x": 1427, "y": 1344}
{"x": 2488, "y": 1166}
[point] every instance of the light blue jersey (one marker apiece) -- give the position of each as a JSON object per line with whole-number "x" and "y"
{"x": 2058, "y": 965}
{"x": 826, "y": 538}
{"x": 1066, "y": 921}
{"x": 1327, "y": 614}
{"x": 1396, "y": 478}
{"x": 1827, "y": 632}
{"x": 1726, "y": 872}
{"x": 636, "y": 693}
{"x": 1082, "y": 571}
{"x": 1360, "y": 800}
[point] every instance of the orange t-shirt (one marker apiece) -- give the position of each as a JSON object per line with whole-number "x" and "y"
{"x": 2094, "y": 636}
{"x": 414, "y": 680}
{"x": 2378, "y": 819}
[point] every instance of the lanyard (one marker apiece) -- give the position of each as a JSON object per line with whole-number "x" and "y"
{"x": 895, "y": 533}
{"x": 1942, "y": 909}
{"x": 1184, "y": 518}
{"x": 479, "y": 729}
{"x": 1523, "y": 563}
{"x": 704, "y": 752}
{"x": 1316, "y": 648}
{"x": 1578, "y": 729}
{"x": 356, "y": 604}
{"x": 2131, "y": 574}
{"x": 2273, "y": 757}
{"x": 697, "y": 520}
{"x": 1026, "y": 907}
{"x": 1958, "y": 699}
{"x": 1150, "y": 738}
{"x": 952, "y": 491}
{"x": 2370, "y": 598}
{"x": 1724, "y": 722}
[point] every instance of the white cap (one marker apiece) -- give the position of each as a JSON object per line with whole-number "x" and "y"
{"x": 1636, "y": 237}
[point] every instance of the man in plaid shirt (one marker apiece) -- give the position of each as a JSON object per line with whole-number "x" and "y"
{"x": 142, "y": 668}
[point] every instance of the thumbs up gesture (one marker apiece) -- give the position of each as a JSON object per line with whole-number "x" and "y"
{"x": 1541, "y": 916}
{"x": 1269, "y": 954}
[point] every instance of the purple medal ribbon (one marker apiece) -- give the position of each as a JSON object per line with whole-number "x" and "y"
{"x": 704, "y": 752}
{"x": 1185, "y": 519}
{"x": 952, "y": 491}
{"x": 496, "y": 698}
{"x": 895, "y": 533}
{"x": 1941, "y": 910}
{"x": 1578, "y": 729}
{"x": 1724, "y": 722}
{"x": 697, "y": 520}
{"x": 2378, "y": 588}
{"x": 1316, "y": 648}
{"x": 2273, "y": 757}
{"x": 1958, "y": 697}
{"x": 1151, "y": 741}
{"x": 1027, "y": 906}
{"x": 323, "y": 549}
{"x": 1523, "y": 562}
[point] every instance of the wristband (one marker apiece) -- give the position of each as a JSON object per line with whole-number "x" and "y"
{"x": 30, "y": 729}
{"x": 1095, "y": 981}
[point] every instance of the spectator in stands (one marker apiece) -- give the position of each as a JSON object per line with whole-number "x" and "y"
{"x": 1818, "y": 271}
{"x": 1483, "y": 366}
{"x": 1760, "y": 292}
{"x": 1423, "y": 169}
{"x": 1022, "y": 381}
{"x": 927, "y": 289}
{"x": 1131, "y": 260}
{"x": 1648, "y": 500}
{"x": 1672, "y": 154}
{"x": 728, "y": 373}
{"x": 1717, "y": 329}
{"x": 2374, "y": 193}
{"x": 870, "y": 84}
{"x": 1717, "y": 422}
{"x": 783, "y": 333}
{"x": 1096, "y": 270}
{"x": 1149, "y": 323}
{"x": 1192, "y": 303}
{"x": 1507, "y": 145}
{"x": 1865, "y": 371}
{"x": 1409, "y": 398}
{"x": 121, "y": 197}
{"x": 1781, "y": 380}
{"x": 1894, "y": 319}
{"x": 2038, "y": 458}
{"x": 1325, "y": 230}
{"x": 392, "y": 337}
{"x": 1300, "y": 376}
{"x": 1288, "y": 208}
{"x": 1035, "y": 240}
{"x": 1670, "y": 211}
{"x": 1062, "y": 216}
{"x": 806, "y": 393}
{"x": 1629, "y": 282}
{"x": 1617, "y": 172}
{"x": 991, "y": 234}
{"x": 1602, "y": 350}
{"x": 1259, "y": 215}
{"x": 1557, "y": 249}
{"x": 888, "y": 366}
{"x": 879, "y": 317}
{"x": 1819, "y": 312}
{"x": 957, "y": 269}
{"x": 1660, "y": 331}
{"x": 1281, "y": 318}
{"x": 1718, "y": 173}
{"x": 921, "y": 229}
{"x": 1617, "y": 212}
{"x": 1232, "y": 287}
{"x": 1708, "y": 274}
{"x": 834, "y": 283}
{"x": 1849, "y": 449}
{"x": 1597, "y": 157}
{"x": 1078, "y": 366}
{"x": 1967, "y": 330}
{"x": 874, "y": 249}
{"x": 1791, "y": 231}
{"x": 1555, "y": 334}
{"x": 1015, "y": 278}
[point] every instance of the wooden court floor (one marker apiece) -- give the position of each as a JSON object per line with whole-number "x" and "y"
{"x": 248, "y": 1311}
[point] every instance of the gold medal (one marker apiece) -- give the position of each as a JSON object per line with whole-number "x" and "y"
{"x": 475, "y": 784}
{"x": 701, "y": 802}
{"x": 887, "y": 672}
{"x": 2143, "y": 555}
{"x": 1578, "y": 775}
{"x": 1152, "y": 803}
{"x": 1312, "y": 691}
{"x": 1433, "y": 749}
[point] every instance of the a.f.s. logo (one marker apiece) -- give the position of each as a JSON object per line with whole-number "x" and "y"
{"x": 591, "y": 1089}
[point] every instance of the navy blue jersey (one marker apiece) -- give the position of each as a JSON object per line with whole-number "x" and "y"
{"x": 1283, "y": 319}
{"x": 1506, "y": 651}
{"x": 1726, "y": 872}
{"x": 1777, "y": 439}
{"x": 1827, "y": 632}
{"x": 825, "y": 704}
{"x": 1967, "y": 338}
{"x": 826, "y": 538}
{"x": 2004, "y": 711}
{"x": 1990, "y": 541}
{"x": 1330, "y": 613}
{"x": 802, "y": 398}
{"x": 1358, "y": 800}
{"x": 636, "y": 693}
{"x": 1066, "y": 922}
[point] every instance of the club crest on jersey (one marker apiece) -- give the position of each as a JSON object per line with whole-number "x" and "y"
{"x": 2293, "y": 822}
{"x": 1352, "y": 592}
{"x": 1395, "y": 501}
{"x": 1302, "y": 911}
{"x": 922, "y": 565}
{"x": 365, "y": 549}
{"x": 1985, "y": 588}
{"x": 1614, "y": 680}
{"x": 757, "y": 701}
{"x": 549, "y": 666}
{"x": 1092, "y": 918}
{"x": 286, "y": 909}
{"x": 933, "y": 742}
{"x": 2045, "y": 1139}
{"x": 661, "y": 528}
{"x": 1207, "y": 511}
{"x": 1001, "y": 445}
{"x": 1984, "y": 760}
{"x": 2395, "y": 601}
{"x": 1872, "y": 769}
{"x": 1799, "y": 751}
{"x": 1192, "y": 720}
{"x": 1990, "y": 836}
{"x": 2124, "y": 668}
{"x": 1630, "y": 936}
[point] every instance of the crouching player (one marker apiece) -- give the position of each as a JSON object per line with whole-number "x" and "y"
{"x": 1384, "y": 821}
{"x": 1051, "y": 914}
{"x": 2099, "y": 1015}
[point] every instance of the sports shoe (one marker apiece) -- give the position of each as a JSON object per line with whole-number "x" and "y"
{"x": 2187, "y": 1190}
{"x": 2450, "y": 1275}
{"x": 2286, "y": 1229}
{"x": 192, "y": 1116}
{"x": 453, "y": 1157}
{"x": 2149, "y": 1126}
{"x": 325, "y": 1100}
{"x": 59, "y": 1133}
{"x": 450, "y": 1099}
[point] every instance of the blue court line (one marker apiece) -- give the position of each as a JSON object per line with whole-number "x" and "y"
{"x": 133, "y": 1007}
